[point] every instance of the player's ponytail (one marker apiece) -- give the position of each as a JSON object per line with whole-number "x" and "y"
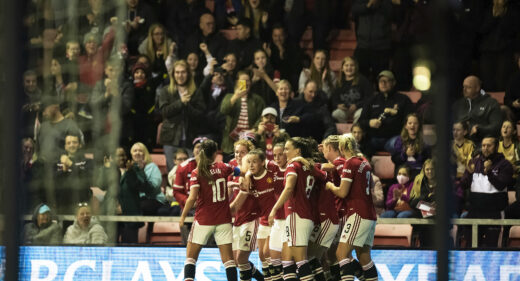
{"x": 206, "y": 158}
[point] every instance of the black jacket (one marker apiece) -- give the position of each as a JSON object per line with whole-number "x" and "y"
{"x": 391, "y": 125}
{"x": 483, "y": 111}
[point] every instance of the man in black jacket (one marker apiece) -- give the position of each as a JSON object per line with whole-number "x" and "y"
{"x": 479, "y": 109}
{"x": 245, "y": 45}
{"x": 487, "y": 178}
{"x": 384, "y": 113}
{"x": 215, "y": 41}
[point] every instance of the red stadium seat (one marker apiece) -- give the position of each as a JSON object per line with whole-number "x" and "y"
{"x": 343, "y": 128}
{"x": 166, "y": 233}
{"x": 514, "y": 237}
{"x": 511, "y": 196}
{"x": 393, "y": 235}
{"x": 414, "y": 96}
{"x": 142, "y": 234}
{"x": 499, "y": 96}
{"x": 383, "y": 166}
{"x": 160, "y": 161}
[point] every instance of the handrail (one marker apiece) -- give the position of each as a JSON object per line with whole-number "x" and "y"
{"x": 473, "y": 222}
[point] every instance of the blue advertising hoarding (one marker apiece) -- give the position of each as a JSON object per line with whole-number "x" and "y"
{"x": 158, "y": 263}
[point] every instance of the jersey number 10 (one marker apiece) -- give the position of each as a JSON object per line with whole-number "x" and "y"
{"x": 219, "y": 190}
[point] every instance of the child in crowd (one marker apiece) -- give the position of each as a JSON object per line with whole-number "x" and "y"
{"x": 398, "y": 197}
{"x": 462, "y": 147}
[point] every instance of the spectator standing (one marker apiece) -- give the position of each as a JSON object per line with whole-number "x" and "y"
{"x": 290, "y": 111}
{"x": 156, "y": 47}
{"x": 92, "y": 63}
{"x": 139, "y": 18}
{"x": 32, "y": 99}
{"x": 181, "y": 107}
{"x": 320, "y": 73}
{"x": 373, "y": 33}
{"x": 213, "y": 89}
{"x": 243, "y": 110}
{"x": 245, "y": 45}
{"x": 285, "y": 55}
{"x": 206, "y": 33}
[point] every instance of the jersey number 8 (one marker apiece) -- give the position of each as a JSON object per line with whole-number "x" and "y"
{"x": 309, "y": 186}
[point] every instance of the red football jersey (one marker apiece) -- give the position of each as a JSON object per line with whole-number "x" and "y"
{"x": 336, "y": 179}
{"x": 181, "y": 186}
{"x": 249, "y": 211}
{"x": 213, "y": 201}
{"x": 305, "y": 190}
{"x": 326, "y": 201}
{"x": 278, "y": 177}
{"x": 262, "y": 188}
{"x": 359, "y": 199}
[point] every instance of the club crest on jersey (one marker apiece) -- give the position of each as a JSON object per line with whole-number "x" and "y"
{"x": 269, "y": 180}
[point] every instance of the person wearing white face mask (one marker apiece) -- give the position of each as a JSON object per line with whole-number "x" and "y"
{"x": 398, "y": 197}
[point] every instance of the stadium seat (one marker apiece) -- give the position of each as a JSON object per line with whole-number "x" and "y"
{"x": 142, "y": 234}
{"x": 166, "y": 233}
{"x": 393, "y": 235}
{"x": 343, "y": 128}
{"x": 511, "y": 195}
{"x": 430, "y": 138}
{"x": 499, "y": 96}
{"x": 383, "y": 166}
{"x": 160, "y": 161}
{"x": 514, "y": 236}
{"x": 414, "y": 96}
{"x": 230, "y": 34}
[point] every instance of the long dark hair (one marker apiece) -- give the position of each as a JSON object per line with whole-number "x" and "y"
{"x": 205, "y": 159}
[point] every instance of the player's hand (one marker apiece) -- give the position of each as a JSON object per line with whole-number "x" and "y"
{"x": 271, "y": 217}
{"x": 181, "y": 222}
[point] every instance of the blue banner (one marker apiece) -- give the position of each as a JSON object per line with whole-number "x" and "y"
{"x": 158, "y": 263}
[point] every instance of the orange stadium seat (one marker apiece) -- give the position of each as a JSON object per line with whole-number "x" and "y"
{"x": 499, "y": 96}
{"x": 414, "y": 96}
{"x": 393, "y": 235}
{"x": 142, "y": 234}
{"x": 160, "y": 161}
{"x": 514, "y": 236}
{"x": 383, "y": 166}
{"x": 166, "y": 233}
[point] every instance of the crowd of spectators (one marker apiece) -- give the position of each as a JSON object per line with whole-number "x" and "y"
{"x": 154, "y": 75}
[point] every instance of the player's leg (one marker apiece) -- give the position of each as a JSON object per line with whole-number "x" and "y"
{"x": 263, "y": 250}
{"x": 300, "y": 231}
{"x": 275, "y": 249}
{"x": 366, "y": 263}
{"x": 224, "y": 239}
{"x": 198, "y": 237}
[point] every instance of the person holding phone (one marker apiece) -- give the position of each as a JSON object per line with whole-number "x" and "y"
{"x": 242, "y": 110}
{"x": 268, "y": 132}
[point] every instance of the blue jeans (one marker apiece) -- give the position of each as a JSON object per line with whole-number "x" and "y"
{"x": 396, "y": 214}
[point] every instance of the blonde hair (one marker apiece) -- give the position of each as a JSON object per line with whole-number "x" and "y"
{"x": 150, "y": 48}
{"x": 147, "y": 157}
{"x": 347, "y": 143}
{"x": 332, "y": 140}
{"x": 190, "y": 82}
{"x": 286, "y": 82}
{"x": 247, "y": 143}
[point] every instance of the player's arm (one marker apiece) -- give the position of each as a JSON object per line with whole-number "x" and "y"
{"x": 238, "y": 202}
{"x": 194, "y": 194}
{"x": 342, "y": 190}
{"x": 290, "y": 183}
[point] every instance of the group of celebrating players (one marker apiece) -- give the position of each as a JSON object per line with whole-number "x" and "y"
{"x": 299, "y": 212}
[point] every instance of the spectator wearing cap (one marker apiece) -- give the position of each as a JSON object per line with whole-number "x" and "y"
{"x": 479, "y": 109}
{"x": 92, "y": 63}
{"x": 143, "y": 113}
{"x": 245, "y": 45}
{"x": 42, "y": 230}
{"x": 182, "y": 108}
{"x": 384, "y": 113}
{"x": 268, "y": 132}
{"x": 242, "y": 109}
{"x": 213, "y": 89}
